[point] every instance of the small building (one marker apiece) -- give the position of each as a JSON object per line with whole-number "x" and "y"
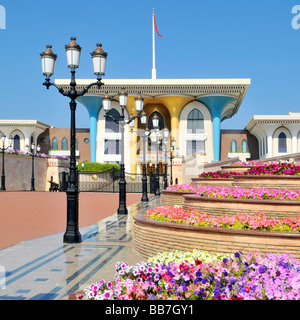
{"x": 22, "y": 132}
{"x": 277, "y": 135}
{"x": 238, "y": 143}
{"x": 56, "y": 142}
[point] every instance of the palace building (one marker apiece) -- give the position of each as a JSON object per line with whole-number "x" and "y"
{"x": 191, "y": 109}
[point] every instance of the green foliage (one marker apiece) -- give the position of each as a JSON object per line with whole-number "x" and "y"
{"x": 97, "y": 167}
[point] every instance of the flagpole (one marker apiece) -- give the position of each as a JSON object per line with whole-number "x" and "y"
{"x": 153, "y": 49}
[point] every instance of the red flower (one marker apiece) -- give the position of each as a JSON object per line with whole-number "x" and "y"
{"x": 198, "y": 262}
{"x": 166, "y": 277}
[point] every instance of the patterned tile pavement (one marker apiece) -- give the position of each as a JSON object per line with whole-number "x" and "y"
{"x": 48, "y": 269}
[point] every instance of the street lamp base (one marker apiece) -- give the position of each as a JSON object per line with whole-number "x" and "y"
{"x": 72, "y": 237}
{"x": 144, "y": 198}
{"x": 122, "y": 210}
{"x": 72, "y": 234}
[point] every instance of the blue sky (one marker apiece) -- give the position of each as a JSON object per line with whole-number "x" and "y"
{"x": 201, "y": 39}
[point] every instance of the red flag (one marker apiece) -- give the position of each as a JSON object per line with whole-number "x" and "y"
{"x": 156, "y": 25}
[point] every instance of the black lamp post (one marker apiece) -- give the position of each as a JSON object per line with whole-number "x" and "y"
{"x": 38, "y": 148}
{"x": 173, "y": 143}
{"x": 145, "y": 134}
{"x": 171, "y": 160}
{"x": 139, "y": 103}
{"x": 155, "y": 138}
{"x": 73, "y": 50}
{"x": 3, "y": 149}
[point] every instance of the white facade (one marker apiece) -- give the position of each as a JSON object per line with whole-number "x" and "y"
{"x": 277, "y": 135}
{"x": 23, "y": 132}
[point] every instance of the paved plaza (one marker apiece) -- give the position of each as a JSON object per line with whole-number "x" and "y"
{"x": 45, "y": 268}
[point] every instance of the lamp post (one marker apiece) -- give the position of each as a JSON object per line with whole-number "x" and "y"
{"x": 155, "y": 138}
{"x": 38, "y": 148}
{"x": 145, "y": 134}
{"x": 139, "y": 103}
{"x": 173, "y": 143}
{"x": 73, "y": 50}
{"x": 171, "y": 160}
{"x": 3, "y": 149}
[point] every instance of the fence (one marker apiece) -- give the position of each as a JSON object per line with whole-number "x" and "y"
{"x": 108, "y": 181}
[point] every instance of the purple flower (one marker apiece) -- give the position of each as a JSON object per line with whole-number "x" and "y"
{"x": 263, "y": 269}
{"x": 204, "y": 280}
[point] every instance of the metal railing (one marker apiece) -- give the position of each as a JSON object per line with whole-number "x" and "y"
{"x": 108, "y": 181}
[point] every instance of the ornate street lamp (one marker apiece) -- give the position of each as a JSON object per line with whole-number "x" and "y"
{"x": 106, "y": 101}
{"x": 73, "y": 51}
{"x": 144, "y": 135}
{"x": 165, "y": 141}
{"x": 38, "y": 148}
{"x": 171, "y": 160}
{"x": 155, "y": 139}
{"x": 3, "y": 138}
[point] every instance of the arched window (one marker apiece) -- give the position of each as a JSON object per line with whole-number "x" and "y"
{"x": 110, "y": 125}
{"x": 233, "y": 146}
{"x": 282, "y": 142}
{"x": 54, "y": 144}
{"x": 244, "y": 146}
{"x": 64, "y": 144}
{"x": 17, "y": 142}
{"x": 195, "y": 123}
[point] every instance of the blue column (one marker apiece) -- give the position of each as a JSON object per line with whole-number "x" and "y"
{"x": 216, "y": 105}
{"x": 93, "y": 105}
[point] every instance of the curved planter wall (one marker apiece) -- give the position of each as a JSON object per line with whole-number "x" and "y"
{"x": 273, "y": 209}
{"x": 212, "y": 182}
{"x": 270, "y": 182}
{"x": 172, "y": 198}
{"x": 152, "y": 237}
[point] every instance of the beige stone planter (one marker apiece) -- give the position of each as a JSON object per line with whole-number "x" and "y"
{"x": 151, "y": 237}
{"x": 273, "y": 209}
{"x": 172, "y": 198}
{"x": 236, "y": 168}
{"x": 212, "y": 182}
{"x": 267, "y": 181}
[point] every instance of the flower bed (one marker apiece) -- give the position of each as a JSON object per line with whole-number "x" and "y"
{"x": 241, "y": 277}
{"x": 152, "y": 236}
{"x": 240, "y": 221}
{"x": 38, "y": 155}
{"x": 268, "y": 169}
{"x": 190, "y": 256}
{"x": 281, "y": 168}
{"x": 219, "y": 175}
{"x": 238, "y": 193}
{"x": 216, "y": 200}
{"x": 254, "y": 163}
